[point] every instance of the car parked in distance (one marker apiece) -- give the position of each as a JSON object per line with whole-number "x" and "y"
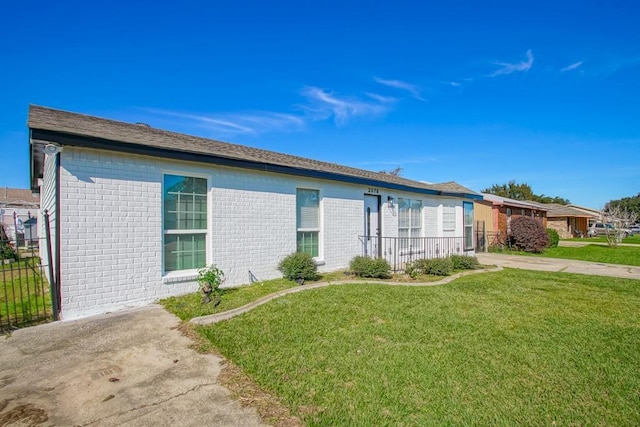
{"x": 602, "y": 229}
{"x": 634, "y": 228}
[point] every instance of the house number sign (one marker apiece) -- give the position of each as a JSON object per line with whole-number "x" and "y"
{"x": 372, "y": 190}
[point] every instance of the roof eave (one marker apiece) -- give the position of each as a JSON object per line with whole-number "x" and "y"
{"x": 112, "y": 145}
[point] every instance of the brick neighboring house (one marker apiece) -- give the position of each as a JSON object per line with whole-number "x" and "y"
{"x": 569, "y": 220}
{"x": 19, "y": 207}
{"x": 506, "y": 210}
{"x": 135, "y": 211}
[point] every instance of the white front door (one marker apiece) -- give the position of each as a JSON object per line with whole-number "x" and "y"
{"x": 371, "y": 225}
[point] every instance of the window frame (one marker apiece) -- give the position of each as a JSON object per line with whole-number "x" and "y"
{"x": 468, "y": 228}
{"x": 449, "y": 210}
{"x": 311, "y": 230}
{"x": 185, "y": 232}
{"x": 413, "y": 231}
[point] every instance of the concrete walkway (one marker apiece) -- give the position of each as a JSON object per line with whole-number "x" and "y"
{"x": 129, "y": 368}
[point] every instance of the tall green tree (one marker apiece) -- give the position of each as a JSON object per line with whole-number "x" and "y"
{"x": 630, "y": 204}
{"x": 516, "y": 191}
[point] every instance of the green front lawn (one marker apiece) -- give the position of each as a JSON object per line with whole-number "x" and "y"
{"x": 507, "y": 348}
{"x": 602, "y": 239}
{"x": 626, "y": 255}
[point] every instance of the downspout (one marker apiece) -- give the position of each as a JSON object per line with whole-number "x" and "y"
{"x": 58, "y": 231}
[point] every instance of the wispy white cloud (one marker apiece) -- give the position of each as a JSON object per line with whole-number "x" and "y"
{"x": 508, "y": 68}
{"x": 237, "y": 123}
{"x": 399, "y": 84}
{"x": 323, "y": 104}
{"x": 572, "y": 66}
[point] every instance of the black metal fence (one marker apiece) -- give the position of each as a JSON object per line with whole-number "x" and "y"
{"x": 398, "y": 251}
{"x": 25, "y": 292}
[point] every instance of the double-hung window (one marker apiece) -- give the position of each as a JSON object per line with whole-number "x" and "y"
{"x": 468, "y": 225}
{"x": 308, "y": 220}
{"x": 185, "y": 222}
{"x": 449, "y": 218}
{"x": 409, "y": 221}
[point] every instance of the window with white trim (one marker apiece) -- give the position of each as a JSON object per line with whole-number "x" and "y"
{"x": 308, "y": 221}
{"x": 449, "y": 218}
{"x": 184, "y": 201}
{"x": 409, "y": 220}
{"x": 468, "y": 225}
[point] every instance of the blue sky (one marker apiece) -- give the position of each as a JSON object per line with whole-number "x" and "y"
{"x": 479, "y": 92}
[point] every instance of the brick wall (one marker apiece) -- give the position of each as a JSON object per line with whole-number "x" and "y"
{"x": 111, "y": 212}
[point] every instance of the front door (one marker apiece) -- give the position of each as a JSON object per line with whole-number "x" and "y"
{"x": 372, "y": 226}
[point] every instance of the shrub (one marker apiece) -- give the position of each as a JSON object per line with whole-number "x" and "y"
{"x": 298, "y": 266}
{"x": 434, "y": 267}
{"x": 6, "y": 250}
{"x": 210, "y": 278}
{"x": 528, "y": 235}
{"x": 439, "y": 266}
{"x": 363, "y": 266}
{"x": 464, "y": 262}
{"x": 554, "y": 237}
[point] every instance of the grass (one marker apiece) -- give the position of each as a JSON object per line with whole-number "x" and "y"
{"x": 507, "y": 348}
{"x": 624, "y": 255}
{"x": 602, "y": 239}
{"x": 188, "y": 306}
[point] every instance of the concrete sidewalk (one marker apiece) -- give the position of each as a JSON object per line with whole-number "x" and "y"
{"x": 561, "y": 265}
{"x": 127, "y": 368}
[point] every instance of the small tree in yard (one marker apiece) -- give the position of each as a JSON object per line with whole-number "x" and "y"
{"x": 528, "y": 235}
{"x": 619, "y": 218}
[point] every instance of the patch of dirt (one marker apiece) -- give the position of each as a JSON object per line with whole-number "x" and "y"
{"x": 248, "y": 393}
{"x": 25, "y": 415}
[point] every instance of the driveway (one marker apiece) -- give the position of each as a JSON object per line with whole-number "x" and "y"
{"x": 126, "y": 368}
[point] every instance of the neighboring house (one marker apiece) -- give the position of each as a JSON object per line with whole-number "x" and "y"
{"x": 483, "y": 223}
{"x": 506, "y": 210}
{"x": 135, "y": 211}
{"x": 569, "y": 220}
{"x": 19, "y": 210}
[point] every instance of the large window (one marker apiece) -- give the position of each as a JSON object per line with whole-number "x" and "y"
{"x": 185, "y": 222}
{"x": 409, "y": 220}
{"x": 468, "y": 226}
{"x": 449, "y": 218}
{"x": 308, "y": 220}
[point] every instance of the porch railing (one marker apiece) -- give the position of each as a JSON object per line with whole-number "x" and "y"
{"x": 398, "y": 251}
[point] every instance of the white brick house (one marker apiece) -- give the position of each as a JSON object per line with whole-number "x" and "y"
{"x": 135, "y": 211}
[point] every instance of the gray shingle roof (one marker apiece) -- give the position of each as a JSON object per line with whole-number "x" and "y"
{"x": 68, "y": 123}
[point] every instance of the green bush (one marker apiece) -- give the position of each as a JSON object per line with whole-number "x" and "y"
{"x": 298, "y": 266}
{"x": 433, "y": 267}
{"x": 6, "y": 250}
{"x": 464, "y": 262}
{"x": 554, "y": 237}
{"x": 363, "y": 266}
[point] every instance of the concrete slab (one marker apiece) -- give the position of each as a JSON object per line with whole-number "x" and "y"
{"x": 127, "y": 368}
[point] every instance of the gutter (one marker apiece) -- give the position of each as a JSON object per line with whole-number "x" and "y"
{"x": 110, "y": 145}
